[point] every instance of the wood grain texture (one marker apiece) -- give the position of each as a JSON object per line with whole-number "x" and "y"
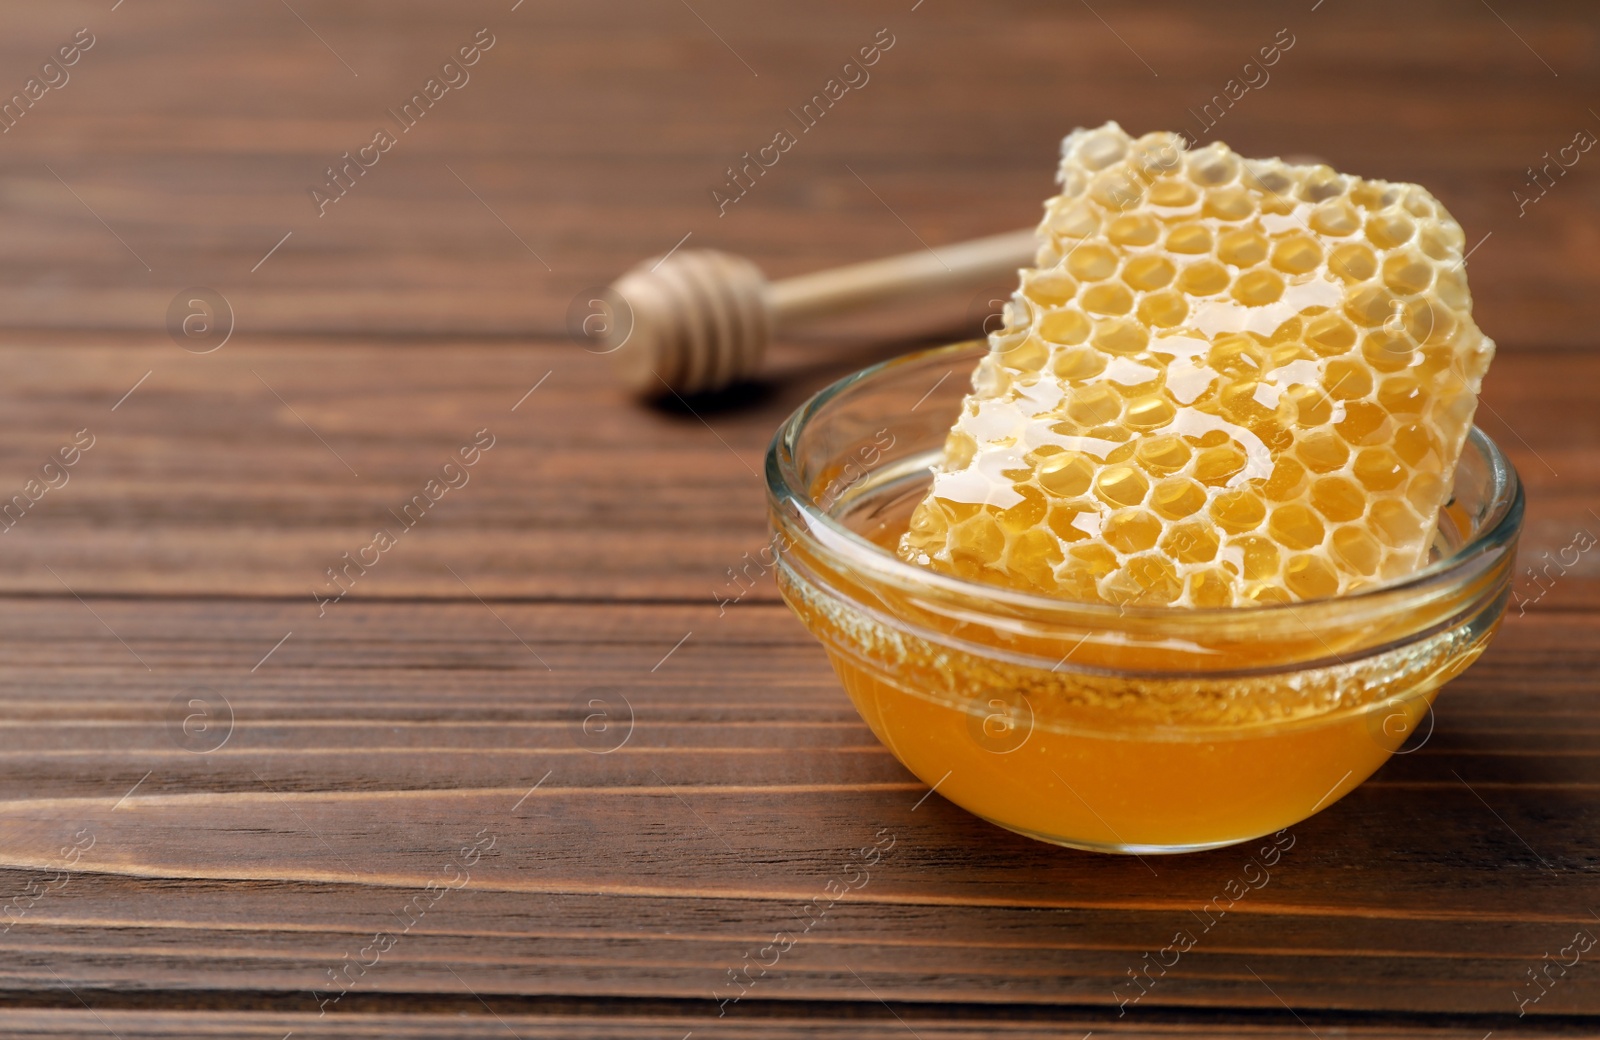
{"x": 372, "y": 746}
{"x": 251, "y": 470}
{"x": 444, "y": 699}
{"x": 593, "y": 1023}
{"x": 597, "y": 132}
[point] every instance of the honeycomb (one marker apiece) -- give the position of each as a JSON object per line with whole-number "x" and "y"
{"x": 1227, "y": 382}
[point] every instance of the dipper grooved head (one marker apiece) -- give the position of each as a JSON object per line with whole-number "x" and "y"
{"x": 699, "y": 320}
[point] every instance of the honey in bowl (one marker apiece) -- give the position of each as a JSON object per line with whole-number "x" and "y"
{"x": 1181, "y": 572}
{"x": 1128, "y": 728}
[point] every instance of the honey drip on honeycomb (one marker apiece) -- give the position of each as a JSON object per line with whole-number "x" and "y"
{"x": 1227, "y": 382}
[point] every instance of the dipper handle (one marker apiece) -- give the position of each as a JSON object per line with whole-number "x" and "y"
{"x": 699, "y": 320}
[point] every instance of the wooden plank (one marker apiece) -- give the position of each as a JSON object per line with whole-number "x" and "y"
{"x": 348, "y": 783}
{"x": 595, "y": 1021}
{"x": 235, "y": 470}
{"x": 201, "y": 183}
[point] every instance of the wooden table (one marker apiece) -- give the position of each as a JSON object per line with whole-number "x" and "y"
{"x": 218, "y": 786}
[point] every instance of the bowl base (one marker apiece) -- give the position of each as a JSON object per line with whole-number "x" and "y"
{"x": 1122, "y": 850}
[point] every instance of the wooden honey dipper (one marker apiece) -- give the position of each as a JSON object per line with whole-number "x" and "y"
{"x": 700, "y": 320}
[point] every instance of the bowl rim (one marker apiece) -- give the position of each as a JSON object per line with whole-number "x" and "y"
{"x": 1498, "y": 529}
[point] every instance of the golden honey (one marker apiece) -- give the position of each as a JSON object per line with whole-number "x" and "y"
{"x": 1126, "y": 758}
{"x": 1132, "y": 728}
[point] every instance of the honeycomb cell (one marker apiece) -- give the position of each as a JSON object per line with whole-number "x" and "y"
{"x": 1329, "y": 335}
{"x": 1239, "y": 357}
{"x": 1320, "y": 183}
{"x": 1149, "y": 579}
{"x": 1134, "y": 229}
{"x": 1066, "y": 475}
{"x": 1295, "y": 526}
{"x": 1189, "y": 239}
{"x": 1257, "y": 556}
{"x": 1149, "y": 272}
{"x": 1049, "y": 288}
{"x": 1388, "y": 351}
{"x": 1204, "y": 278}
{"x": 1238, "y": 511}
{"x": 1258, "y": 288}
{"x": 1121, "y": 337}
{"x": 1163, "y": 310}
{"x": 1243, "y": 248}
{"x": 1373, "y": 307}
{"x": 1211, "y": 587}
{"x": 1212, "y": 167}
{"x": 1078, "y": 364}
{"x": 1027, "y": 356}
{"x": 1034, "y": 555}
{"x": 1231, "y": 204}
{"x": 1287, "y": 480}
{"x": 1415, "y": 444}
{"x": 1121, "y": 486}
{"x": 981, "y": 537}
{"x": 1092, "y": 261}
{"x": 1390, "y": 230}
{"x": 1357, "y": 550}
{"x": 1335, "y": 218}
{"x": 1176, "y": 498}
{"x": 1275, "y": 182}
{"x": 1116, "y": 189}
{"x": 1074, "y": 221}
{"x": 1338, "y": 498}
{"x": 1407, "y": 273}
{"x": 1132, "y": 531}
{"x": 1437, "y": 245}
{"x": 1096, "y": 558}
{"x": 1065, "y": 524}
{"x": 1219, "y": 465}
{"x": 1452, "y": 287}
{"x": 1363, "y": 423}
{"x": 1297, "y": 254}
{"x": 1100, "y": 148}
{"x": 1171, "y": 193}
{"x": 1107, "y": 298}
{"x": 1347, "y": 380}
{"x": 1322, "y": 451}
{"x": 1379, "y": 469}
{"x": 1026, "y": 514}
{"x": 1414, "y": 317}
{"x": 1394, "y": 522}
{"x": 1402, "y": 396}
{"x": 1164, "y": 455}
{"x": 1423, "y": 490}
{"x": 1065, "y": 326}
{"x": 1354, "y": 262}
{"x": 1310, "y": 577}
{"x": 1370, "y": 196}
{"x": 1149, "y": 412}
{"x": 1227, "y": 384}
{"x": 1192, "y": 541}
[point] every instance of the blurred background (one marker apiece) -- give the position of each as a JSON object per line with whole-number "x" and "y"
{"x": 221, "y": 147}
{"x": 597, "y": 131}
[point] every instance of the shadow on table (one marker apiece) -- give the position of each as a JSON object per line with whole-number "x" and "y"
{"x": 794, "y": 371}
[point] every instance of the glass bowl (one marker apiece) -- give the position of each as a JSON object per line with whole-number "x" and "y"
{"x": 1113, "y": 729}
